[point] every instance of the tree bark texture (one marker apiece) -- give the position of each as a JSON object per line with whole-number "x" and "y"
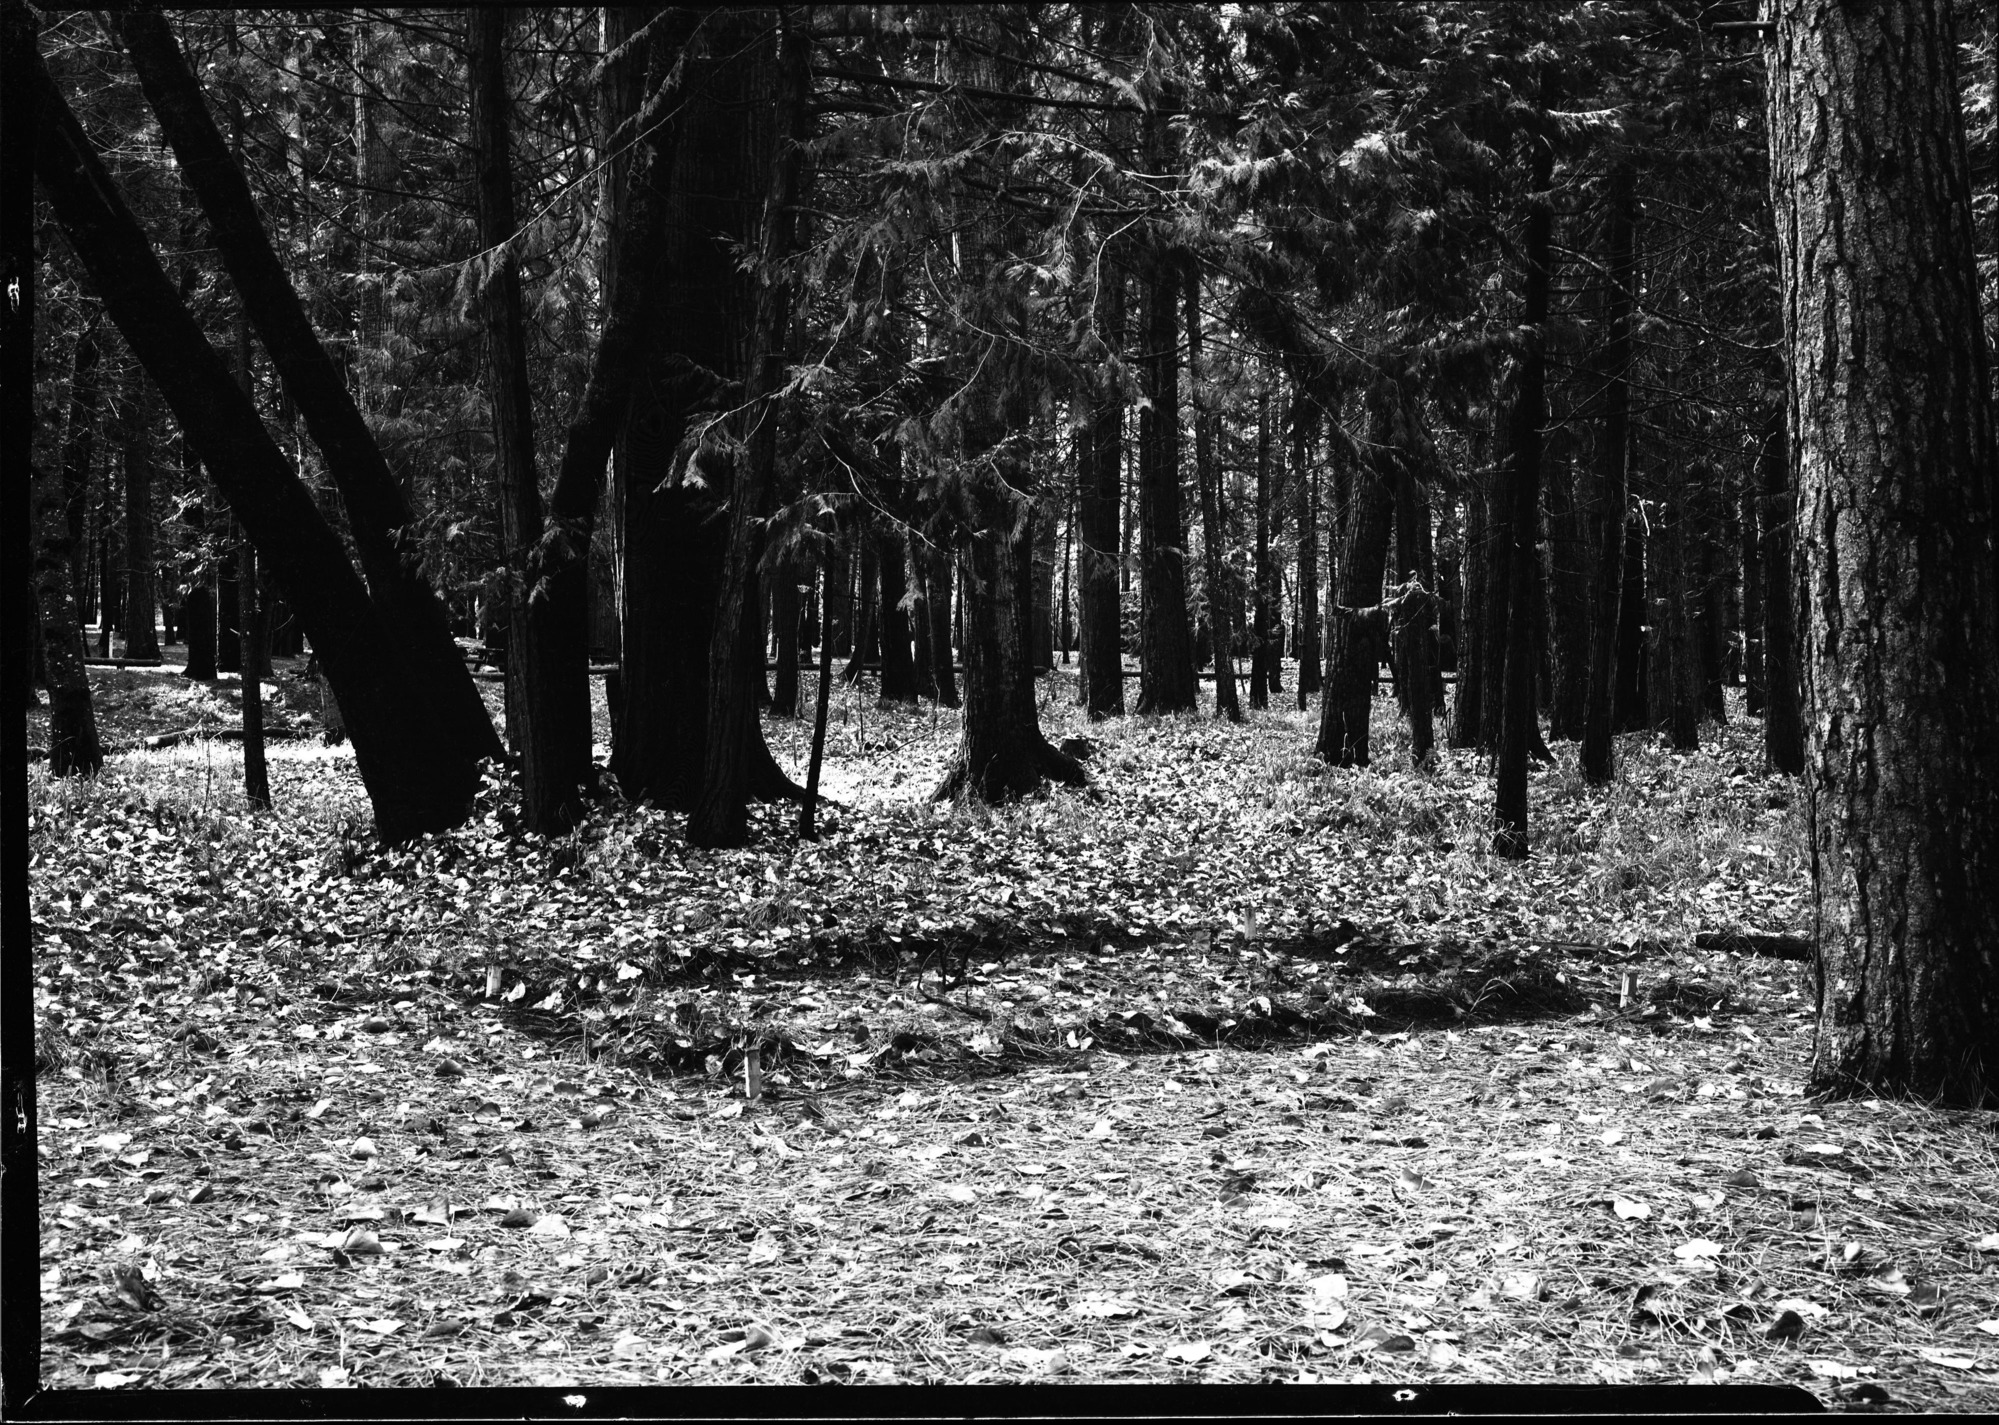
{"x": 1519, "y": 507}
{"x": 1305, "y": 485}
{"x": 898, "y": 666}
{"x": 674, "y": 487}
{"x": 551, "y": 790}
{"x": 142, "y": 639}
{"x": 1166, "y": 643}
{"x": 1894, "y": 458}
{"x": 1356, "y": 637}
{"x": 735, "y": 659}
{"x": 1263, "y": 578}
{"x": 73, "y": 746}
{"x": 1207, "y": 478}
{"x": 1099, "y": 507}
{"x": 1598, "y": 753}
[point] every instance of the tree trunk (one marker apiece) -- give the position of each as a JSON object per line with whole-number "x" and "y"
{"x": 1305, "y": 476}
{"x": 1207, "y": 480}
{"x": 73, "y": 746}
{"x": 1261, "y": 578}
{"x": 79, "y": 445}
{"x": 197, "y": 616}
{"x": 783, "y": 602}
{"x": 1676, "y": 684}
{"x": 1468, "y": 707}
{"x": 1631, "y": 704}
{"x": 142, "y": 638}
{"x": 1001, "y": 752}
{"x": 1355, "y": 630}
{"x": 378, "y": 513}
{"x": 1099, "y": 500}
{"x": 551, "y": 797}
{"x": 866, "y": 618}
{"x": 898, "y": 667}
{"x": 256, "y": 773}
{"x": 1749, "y": 527}
{"x": 674, "y": 487}
{"x": 1413, "y": 627}
{"x": 1568, "y": 603}
{"x": 1166, "y": 646}
{"x": 419, "y": 775}
{"x": 1042, "y": 647}
{"x": 937, "y": 587}
{"x": 1519, "y": 510}
{"x": 1893, "y": 450}
{"x": 735, "y": 745}
{"x": 1612, "y": 495}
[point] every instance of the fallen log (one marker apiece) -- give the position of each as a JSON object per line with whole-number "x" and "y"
{"x": 1775, "y": 947}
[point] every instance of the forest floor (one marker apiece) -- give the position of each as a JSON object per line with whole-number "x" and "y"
{"x": 1231, "y": 1068}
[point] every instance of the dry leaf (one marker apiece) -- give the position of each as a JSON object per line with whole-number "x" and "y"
{"x": 1188, "y": 1351}
{"x": 1630, "y": 1208}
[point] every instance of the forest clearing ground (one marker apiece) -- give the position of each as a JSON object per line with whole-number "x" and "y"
{"x": 475, "y": 1112}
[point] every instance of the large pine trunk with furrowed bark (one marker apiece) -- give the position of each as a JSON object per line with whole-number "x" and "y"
{"x": 1893, "y": 453}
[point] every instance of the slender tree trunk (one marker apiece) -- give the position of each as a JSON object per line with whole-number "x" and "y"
{"x": 1100, "y": 500}
{"x": 920, "y": 621}
{"x": 865, "y": 620}
{"x": 783, "y": 602}
{"x": 1260, "y": 616}
{"x": 256, "y": 772}
{"x": 142, "y": 639}
{"x": 937, "y": 583}
{"x": 1613, "y": 457}
{"x": 1568, "y": 603}
{"x": 1305, "y": 476}
{"x": 1356, "y": 629}
{"x": 1414, "y": 624}
{"x": 73, "y": 746}
{"x": 1001, "y": 752}
{"x": 1520, "y": 506}
{"x": 1042, "y": 646}
{"x": 1468, "y": 707}
{"x": 1631, "y": 704}
{"x": 1208, "y": 481}
{"x": 1749, "y": 527}
{"x": 1894, "y": 453}
{"x": 898, "y": 668}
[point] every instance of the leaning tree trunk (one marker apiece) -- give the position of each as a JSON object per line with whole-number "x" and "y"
{"x": 1598, "y": 754}
{"x": 420, "y": 774}
{"x": 1890, "y": 406}
{"x": 1519, "y": 507}
{"x": 378, "y": 513}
